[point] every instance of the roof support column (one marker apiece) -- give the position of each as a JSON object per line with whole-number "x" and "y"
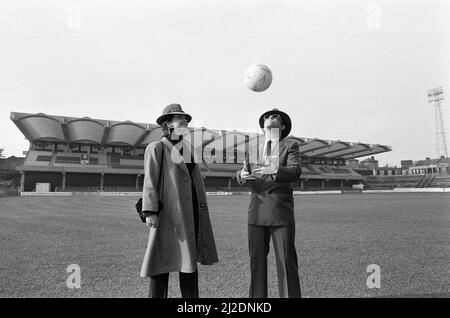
{"x": 137, "y": 181}
{"x": 22, "y": 181}
{"x": 102, "y": 179}
{"x": 63, "y": 184}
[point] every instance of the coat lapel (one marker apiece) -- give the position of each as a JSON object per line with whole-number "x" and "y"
{"x": 170, "y": 146}
{"x": 282, "y": 148}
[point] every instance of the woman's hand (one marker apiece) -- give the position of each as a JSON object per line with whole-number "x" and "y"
{"x": 152, "y": 221}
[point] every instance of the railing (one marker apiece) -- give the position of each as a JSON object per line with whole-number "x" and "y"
{"x": 419, "y": 182}
{"x": 424, "y": 180}
{"x": 428, "y": 181}
{"x": 231, "y": 189}
{"x": 77, "y": 189}
{"x": 306, "y": 188}
{"x": 97, "y": 189}
{"x": 121, "y": 189}
{"x": 14, "y": 183}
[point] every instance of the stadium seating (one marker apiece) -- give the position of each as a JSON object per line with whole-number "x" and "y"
{"x": 38, "y": 158}
{"x": 440, "y": 181}
{"x": 341, "y": 170}
{"x": 328, "y": 171}
{"x": 67, "y": 159}
{"x": 126, "y": 161}
{"x": 70, "y": 159}
{"x": 309, "y": 170}
{"x": 390, "y": 182}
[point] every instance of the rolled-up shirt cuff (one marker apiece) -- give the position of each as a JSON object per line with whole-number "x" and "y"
{"x": 150, "y": 213}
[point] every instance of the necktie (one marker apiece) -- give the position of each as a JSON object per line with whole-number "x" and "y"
{"x": 269, "y": 148}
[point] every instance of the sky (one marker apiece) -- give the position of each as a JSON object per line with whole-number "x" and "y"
{"x": 343, "y": 70}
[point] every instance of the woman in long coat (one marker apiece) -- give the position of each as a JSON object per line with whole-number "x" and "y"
{"x": 174, "y": 204}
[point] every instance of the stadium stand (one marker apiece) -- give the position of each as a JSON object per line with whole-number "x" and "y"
{"x": 115, "y": 155}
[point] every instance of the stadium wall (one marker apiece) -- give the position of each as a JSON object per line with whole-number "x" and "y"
{"x": 54, "y": 178}
{"x": 82, "y": 179}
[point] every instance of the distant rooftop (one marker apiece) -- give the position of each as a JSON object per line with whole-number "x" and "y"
{"x": 429, "y": 162}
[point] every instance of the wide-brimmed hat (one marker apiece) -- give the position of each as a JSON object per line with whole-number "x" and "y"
{"x": 284, "y": 118}
{"x": 172, "y": 109}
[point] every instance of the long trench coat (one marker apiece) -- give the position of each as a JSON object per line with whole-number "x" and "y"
{"x": 171, "y": 246}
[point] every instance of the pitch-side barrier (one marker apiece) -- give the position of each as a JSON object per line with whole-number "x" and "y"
{"x": 224, "y": 193}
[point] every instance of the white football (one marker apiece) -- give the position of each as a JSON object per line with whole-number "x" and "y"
{"x": 258, "y": 77}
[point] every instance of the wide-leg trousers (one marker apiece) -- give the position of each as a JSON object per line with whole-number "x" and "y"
{"x": 283, "y": 238}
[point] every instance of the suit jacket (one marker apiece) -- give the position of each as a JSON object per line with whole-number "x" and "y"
{"x": 272, "y": 200}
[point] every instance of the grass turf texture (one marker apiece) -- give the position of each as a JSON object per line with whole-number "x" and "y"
{"x": 337, "y": 237}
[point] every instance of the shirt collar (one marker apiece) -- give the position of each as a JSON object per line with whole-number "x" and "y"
{"x": 274, "y": 140}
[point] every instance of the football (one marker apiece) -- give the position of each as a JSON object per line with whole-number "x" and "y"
{"x": 258, "y": 77}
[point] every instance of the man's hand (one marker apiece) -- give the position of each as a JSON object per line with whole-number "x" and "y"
{"x": 270, "y": 169}
{"x": 245, "y": 175}
{"x": 152, "y": 221}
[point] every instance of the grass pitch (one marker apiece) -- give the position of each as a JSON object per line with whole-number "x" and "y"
{"x": 338, "y": 236}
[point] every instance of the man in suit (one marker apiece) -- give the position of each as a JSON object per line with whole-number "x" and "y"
{"x": 271, "y": 209}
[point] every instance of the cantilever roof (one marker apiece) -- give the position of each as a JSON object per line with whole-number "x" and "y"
{"x": 338, "y": 149}
{"x": 68, "y": 130}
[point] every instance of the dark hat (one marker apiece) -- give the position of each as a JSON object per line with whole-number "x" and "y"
{"x": 172, "y": 109}
{"x": 285, "y": 119}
